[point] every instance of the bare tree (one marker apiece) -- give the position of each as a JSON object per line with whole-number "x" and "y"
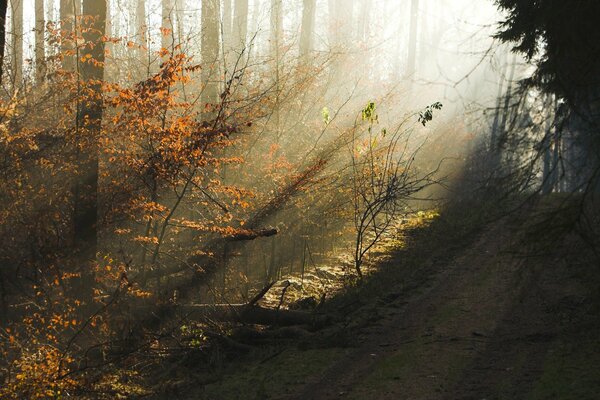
{"x": 17, "y": 41}
{"x": 211, "y": 11}
{"x": 3, "y": 10}
{"x": 89, "y": 116}
{"x": 227, "y": 22}
{"x": 167, "y": 24}
{"x": 240, "y": 23}
{"x": 142, "y": 32}
{"x": 308, "y": 26}
{"x": 383, "y": 180}
{"x": 40, "y": 50}
{"x": 412, "y": 40}
{"x": 69, "y": 10}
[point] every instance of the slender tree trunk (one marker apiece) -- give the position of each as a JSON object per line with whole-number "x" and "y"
{"x": 308, "y": 26}
{"x": 69, "y": 10}
{"x": 276, "y": 42}
{"x": 3, "y": 10}
{"x": 423, "y": 50}
{"x": 90, "y": 116}
{"x": 167, "y": 24}
{"x": 227, "y": 39}
{"x": 111, "y": 70}
{"x": 180, "y": 7}
{"x": 142, "y": 32}
{"x": 333, "y": 24}
{"x": 508, "y": 96}
{"x": 255, "y": 48}
{"x": 276, "y": 28}
{"x": 547, "y": 171}
{"x": 40, "y": 48}
{"x": 412, "y": 40}
{"x": 227, "y": 21}
{"x": 210, "y": 50}
{"x": 340, "y": 29}
{"x": 240, "y": 23}
{"x": 17, "y": 41}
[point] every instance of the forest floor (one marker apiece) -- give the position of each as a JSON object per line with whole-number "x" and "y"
{"x": 457, "y": 314}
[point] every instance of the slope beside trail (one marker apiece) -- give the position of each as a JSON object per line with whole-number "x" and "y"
{"x": 489, "y": 325}
{"x": 481, "y": 316}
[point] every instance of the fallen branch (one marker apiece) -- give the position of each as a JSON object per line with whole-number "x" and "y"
{"x": 252, "y": 314}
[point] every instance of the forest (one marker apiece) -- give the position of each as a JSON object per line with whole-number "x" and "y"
{"x": 299, "y": 199}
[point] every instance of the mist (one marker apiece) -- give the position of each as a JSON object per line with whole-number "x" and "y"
{"x": 314, "y": 194}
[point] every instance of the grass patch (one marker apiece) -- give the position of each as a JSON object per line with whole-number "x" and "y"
{"x": 570, "y": 371}
{"x": 278, "y": 377}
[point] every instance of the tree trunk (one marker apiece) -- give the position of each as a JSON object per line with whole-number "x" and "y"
{"x": 3, "y": 10}
{"x": 167, "y": 25}
{"x": 40, "y": 49}
{"x": 69, "y": 10}
{"x": 276, "y": 28}
{"x": 244, "y": 313}
{"x": 340, "y": 29}
{"x": 210, "y": 51}
{"x": 89, "y": 117}
{"x": 364, "y": 21}
{"x": 308, "y": 27}
{"x": 548, "y": 167}
{"x": 240, "y": 23}
{"x": 412, "y": 40}
{"x": 276, "y": 42}
{"x": 142, "y": 32}
{"x": 180, "y": 16}
{"x": 227, "y": 24}
{"x": 17, "y": 42}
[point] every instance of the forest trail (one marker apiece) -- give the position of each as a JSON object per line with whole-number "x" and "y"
{"x": 484, "y": 317}
{"x": 480, "y": 329}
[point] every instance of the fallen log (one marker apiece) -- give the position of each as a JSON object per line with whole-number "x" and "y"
{"x": 252, "y": 314}
{"x": 252, "y": 234}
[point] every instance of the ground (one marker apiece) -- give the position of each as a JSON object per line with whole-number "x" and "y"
{"x": 486, "y": 316}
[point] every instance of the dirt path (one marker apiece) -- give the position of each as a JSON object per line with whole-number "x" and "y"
{"x": 472, "y": 321}
{"x": 459, "y": 338}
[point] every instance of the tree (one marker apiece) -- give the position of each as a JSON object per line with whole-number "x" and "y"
{"x": 412, "y": 40}
{"x": 566, "y": 38}
{"x": 69, "y": 10}
{"x": 3, "y": 10}
{"x": 17, "y": 41}
{"x": 40, "y": 51}
{"x": 227, "y": 24}
{"x": 563, "y": 40}
{"x": 89, "y": 118}
{"x": 340, "y": 28}
{"x": 276, "y": 42}
{"x": 308, "y": 26}
{"x": 240, "y": 23}
{"x": 167, "y": 34}
{"x": 142, "y": 31}
{"x": 211, "y": 11}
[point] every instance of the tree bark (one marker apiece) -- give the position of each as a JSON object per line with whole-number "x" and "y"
{"x": 227, "y": 20}
{"x": 308, "y": 26}
{"x": 17, "y": 42}
{"x": 167, "y": 25}
{"x": 142, "y": 32}
{"x": 240, "y": 23}
{"x": 69, "y": 10}
{"x": 89, "y": 118}
{"x": 3, "y": 10}
{"x": 276, "y": 42}
{"x": 40, "y": 48}
{"x": 211, "y": 15}
{"x": 412, "y": 40}
{"x": 248, "y": 314}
